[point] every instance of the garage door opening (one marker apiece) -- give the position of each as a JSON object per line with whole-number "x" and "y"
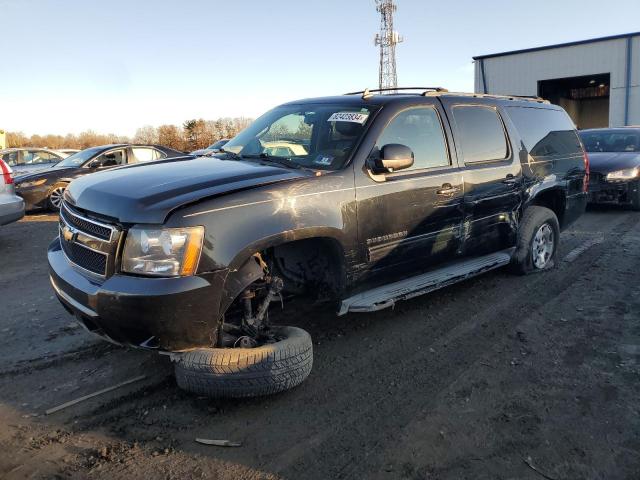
{"x": 586, "y": 99}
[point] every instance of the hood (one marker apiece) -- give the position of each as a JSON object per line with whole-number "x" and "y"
{"x": 605, "y": 162}
{"x": 148, "y": 193}
{"x": 21, "y": 170}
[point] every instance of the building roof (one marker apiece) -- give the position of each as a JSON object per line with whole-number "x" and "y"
{"x": 559, "y": 45}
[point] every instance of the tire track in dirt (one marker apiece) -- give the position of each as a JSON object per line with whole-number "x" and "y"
{"x": 465, "y": 342}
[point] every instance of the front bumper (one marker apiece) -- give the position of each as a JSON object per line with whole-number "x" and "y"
{"x": 172, "y": 314}
{"x": 612, "y": 192}
{"x": 11, "y": 208}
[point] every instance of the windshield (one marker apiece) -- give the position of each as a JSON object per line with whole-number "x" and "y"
{"x": 611, "y": 141}
{"x": 318, "y": 136}
{"x": 77, "y": 159}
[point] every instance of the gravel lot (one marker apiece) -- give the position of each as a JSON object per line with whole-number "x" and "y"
{"x": 500, "y": 377}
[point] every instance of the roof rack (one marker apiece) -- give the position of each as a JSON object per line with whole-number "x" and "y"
{"x": 368, "y": 93}
{"x": 490, "y": 95}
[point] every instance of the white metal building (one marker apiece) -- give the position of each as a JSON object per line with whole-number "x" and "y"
{"x": 596, "y": 81}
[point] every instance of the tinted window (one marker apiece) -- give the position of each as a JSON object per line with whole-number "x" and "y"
{"x": 481, "y": 133}
{"x": 421, "y": 131}
{"x": 545, "y": 132}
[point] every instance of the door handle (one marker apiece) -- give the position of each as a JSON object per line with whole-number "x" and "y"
{"x": 510, "y": 180}
{"x": 447, "y": 189}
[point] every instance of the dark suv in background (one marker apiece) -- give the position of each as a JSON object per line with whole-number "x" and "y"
{"x": 380, "y": 198}
{"x": 44, "y": 189}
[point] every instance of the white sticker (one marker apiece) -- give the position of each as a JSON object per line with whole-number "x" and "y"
{"x": 323, "y": 160}
{"x": 354, "y": 117}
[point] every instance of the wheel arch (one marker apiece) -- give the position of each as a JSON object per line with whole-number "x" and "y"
{"x": 245, "y": 269}
{"x": 554, "y": 198}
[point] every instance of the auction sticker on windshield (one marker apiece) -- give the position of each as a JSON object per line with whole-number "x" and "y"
{"x": 354, "y": 117}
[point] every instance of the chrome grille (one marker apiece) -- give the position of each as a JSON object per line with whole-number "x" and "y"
{"x": 87, "y": 243}
{"x": 93, "y": 228}
{"x": 88, "y": 259}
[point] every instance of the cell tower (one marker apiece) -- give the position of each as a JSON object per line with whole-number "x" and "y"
{"x": 387, "y": 39}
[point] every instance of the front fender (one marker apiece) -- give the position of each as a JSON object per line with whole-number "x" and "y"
{"x": 241, "y": 224}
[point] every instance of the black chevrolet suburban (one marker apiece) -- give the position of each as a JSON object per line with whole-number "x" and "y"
{"x": 362, "y": 200}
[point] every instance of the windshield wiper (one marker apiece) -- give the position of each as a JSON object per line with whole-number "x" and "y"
{"x": 283, "y": 161}
{"x": 233, "y": 155}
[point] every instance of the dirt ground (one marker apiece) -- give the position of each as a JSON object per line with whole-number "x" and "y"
{"x": 500, "y": 377}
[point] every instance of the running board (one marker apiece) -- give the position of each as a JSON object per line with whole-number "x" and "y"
{"x": 387, "y": 295}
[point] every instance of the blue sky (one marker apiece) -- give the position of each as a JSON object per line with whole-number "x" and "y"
{"x": 114, "y": 65}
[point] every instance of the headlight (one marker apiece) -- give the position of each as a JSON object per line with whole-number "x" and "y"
{"x": 33, "y": 183}
{"x": 162, "y": 252}
{"x": 625, "y": 174}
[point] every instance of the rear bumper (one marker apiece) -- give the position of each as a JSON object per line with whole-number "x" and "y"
{"x": 172, "y": 314}
{"x": 618, "y": 193}
{"x": 11, "y": 208}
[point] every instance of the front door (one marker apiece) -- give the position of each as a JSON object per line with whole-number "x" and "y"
{"x": 411, "y": 218}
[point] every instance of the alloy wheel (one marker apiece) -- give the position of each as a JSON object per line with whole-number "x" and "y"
{"x": 542, "y": 246}
{"x": 55, "y": 197}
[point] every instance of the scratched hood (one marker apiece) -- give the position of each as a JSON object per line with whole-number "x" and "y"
{"x": 605, "y": 162}
{"x": 147, "y": 193}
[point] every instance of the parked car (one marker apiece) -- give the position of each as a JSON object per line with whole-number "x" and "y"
{"x": 30, "y": 160}
{"x": 44, "y": 189}
{"x": 394, "y": 196}
{"x": 614, "y": 156}
{"x": 211, "y": 149}
{"x": 11, "y": 205}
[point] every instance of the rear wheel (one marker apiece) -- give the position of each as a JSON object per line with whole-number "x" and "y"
{"x": 56, "y": 195}
{"x": 537, "y": 240}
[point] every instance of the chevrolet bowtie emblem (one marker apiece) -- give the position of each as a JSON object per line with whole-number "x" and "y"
{"x": 68, "y": 234}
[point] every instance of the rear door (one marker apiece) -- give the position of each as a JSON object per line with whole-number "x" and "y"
{"x": 411, "y": 217}
{"x": 492, "y": 173}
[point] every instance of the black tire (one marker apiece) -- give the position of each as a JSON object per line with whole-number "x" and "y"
{"x": 635, "y": 197}
{"x": 55, "y": 195}
{"x": 247, "y": 372}
{"x": 533, "y": 219}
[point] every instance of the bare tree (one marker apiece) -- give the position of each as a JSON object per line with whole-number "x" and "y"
{"x": 146, "y": 134}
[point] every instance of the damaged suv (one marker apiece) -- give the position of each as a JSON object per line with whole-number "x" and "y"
{"x": 363, "y": 200}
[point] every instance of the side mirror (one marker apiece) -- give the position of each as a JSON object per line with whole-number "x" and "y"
{"x": 393, "y": 156}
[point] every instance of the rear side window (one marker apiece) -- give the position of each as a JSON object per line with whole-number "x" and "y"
{"x": 146, "y": 154}
{"x": 545, "y": 132}
{"x": 481, "y": 132}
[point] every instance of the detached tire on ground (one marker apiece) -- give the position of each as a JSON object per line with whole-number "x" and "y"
{"x": 247, "y": 372}
{"x": 537, "y": 240}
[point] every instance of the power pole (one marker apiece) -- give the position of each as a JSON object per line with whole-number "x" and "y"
{"x": 387, "y": 39}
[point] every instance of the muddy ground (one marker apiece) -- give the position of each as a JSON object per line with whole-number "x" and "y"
{"x": 499, "y": 377}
